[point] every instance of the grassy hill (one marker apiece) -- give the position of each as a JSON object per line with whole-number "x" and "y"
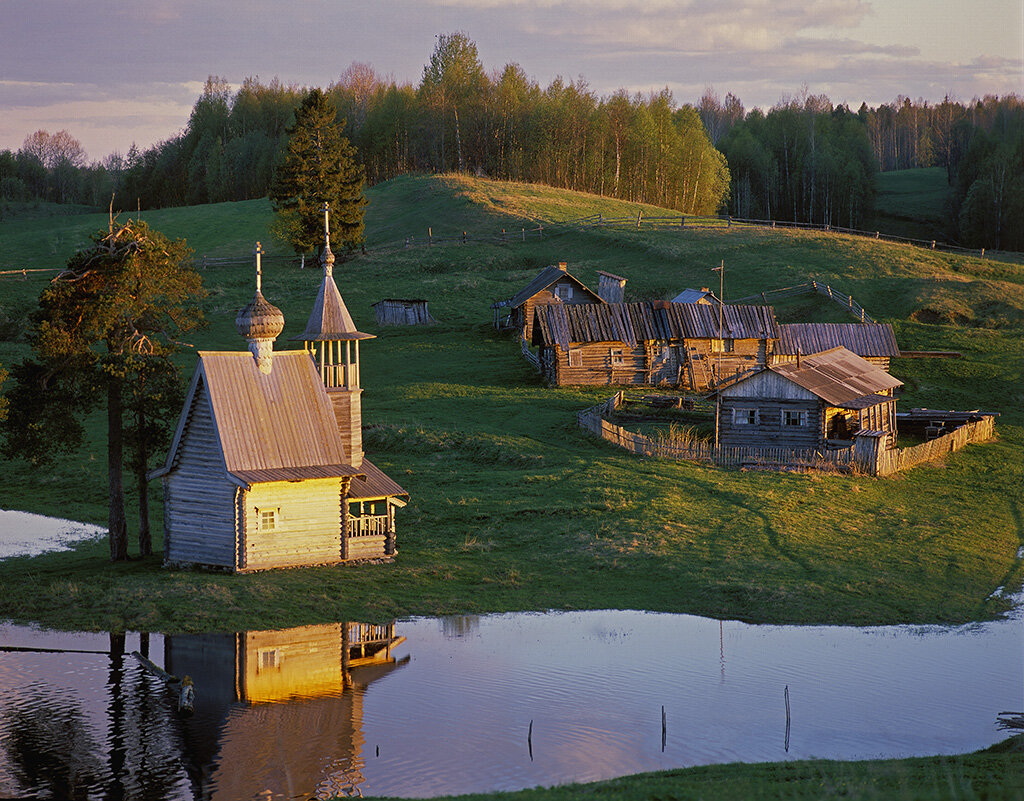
{"x": 913, "y": 203}
{"x": 514, "y": 508}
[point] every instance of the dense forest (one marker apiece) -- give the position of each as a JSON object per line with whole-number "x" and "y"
{"x": 803, "y": 160}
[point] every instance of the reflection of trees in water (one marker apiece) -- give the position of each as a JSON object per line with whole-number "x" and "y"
{"x": 459, "y": 625}
{"x": 49, "y": 746}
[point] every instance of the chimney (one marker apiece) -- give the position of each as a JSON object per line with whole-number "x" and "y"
{"x": 563, "y": 266}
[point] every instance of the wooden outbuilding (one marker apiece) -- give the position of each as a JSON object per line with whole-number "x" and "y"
{"x": 810, "y": 402}
{"x": 702, "y": 295}
{"x": 686, "y": 345}
{"x": 875, "y": 342}
{"x": 266, "y": 468}
{"x": 403, "y": 311}
{"x": 553, "y": 285}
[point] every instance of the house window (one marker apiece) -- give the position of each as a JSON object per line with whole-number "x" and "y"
{"x": 723, "y": 345}
{"x": 268, "y": 519}
{"x": 791, "y": 417}
{"x": 355, "y": 508}
{"x": 575, "y": 357}
{"x": 744, "y": 417}
{"x": 563, "y": 292}
{"x": 615, "y": 354}
{"x": 268, "y": 659}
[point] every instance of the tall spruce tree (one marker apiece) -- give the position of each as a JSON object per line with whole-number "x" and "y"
{"x": 319, "y": 166}
{"x": 103, "y": 330}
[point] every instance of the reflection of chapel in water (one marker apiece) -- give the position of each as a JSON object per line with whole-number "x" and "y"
{"x": 245, "y": 742}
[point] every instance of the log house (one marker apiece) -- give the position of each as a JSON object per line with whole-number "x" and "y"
{"x": 553, "y": 285}
{"x": 827, "y": 398}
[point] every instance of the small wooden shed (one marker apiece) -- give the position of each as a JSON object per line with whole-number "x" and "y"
{"x": 702, "y": 295}
{"x": 809, "y": 402}
{"x": 691, "y": 346}
{"x": 875, "y": 342}
{"x": 553, "y": 285}
{"x": 403, "y": 311}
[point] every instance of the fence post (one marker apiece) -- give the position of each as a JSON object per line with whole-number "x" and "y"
{"x": 730, "y": 221}
{"x": 463, "y": 237}
{"x": 983, "y": 253}
{"x": 430, "y": 237}
{"x": 639, "y": 216}
{"x": 682, "y": 221}
{"x": 502, "y": 234}
{"x": 933, "y": 244}
{"x": 524, "y": 234}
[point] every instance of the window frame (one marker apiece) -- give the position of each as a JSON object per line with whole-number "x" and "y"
{"x": 751, "y": 413}
{"x": 563, "y": 292}
{"x": 801, "y": 418}
{"x": 617, "y": 357}
{"x": 575, "y": 357}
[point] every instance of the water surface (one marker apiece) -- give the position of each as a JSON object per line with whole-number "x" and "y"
{"x": 26, "y": 534}
{"x": 458, "y": 705}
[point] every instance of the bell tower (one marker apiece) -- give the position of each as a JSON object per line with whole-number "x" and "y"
{"x": 332, "y": 340}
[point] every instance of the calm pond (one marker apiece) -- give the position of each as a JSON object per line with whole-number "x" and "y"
{"x": 426, "y": 707}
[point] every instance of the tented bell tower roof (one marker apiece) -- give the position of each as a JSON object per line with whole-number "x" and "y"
{"x": 330, "y": 321}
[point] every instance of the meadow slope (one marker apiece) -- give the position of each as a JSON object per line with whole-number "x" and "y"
{"x": 512, "y": 507}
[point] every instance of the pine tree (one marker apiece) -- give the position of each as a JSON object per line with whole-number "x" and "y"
{"x": 102, "y": 332}
{"x": 319, "y": 167}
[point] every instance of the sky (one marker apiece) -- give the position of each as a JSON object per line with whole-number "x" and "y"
{"x": 118, "y": 72}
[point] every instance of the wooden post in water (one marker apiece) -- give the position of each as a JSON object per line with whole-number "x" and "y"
{"x": 529, "y": 740}
{"x": 787, "y": 718}
{"x": 664, "y": 729}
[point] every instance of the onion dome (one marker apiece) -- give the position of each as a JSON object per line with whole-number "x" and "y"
{"x": 260, "y": 322}
{"x": 260, "y": 319}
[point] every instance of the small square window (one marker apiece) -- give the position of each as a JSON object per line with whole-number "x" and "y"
{"x": 723, "y": 345}
{"x": 792, "y": 418}
{"x": 744, "y": 417}
{"x": 616, "y": 357}
{"x": 575, "y": 357}
{"x": 563, "y": 292}
{"x": 268, "y": 519}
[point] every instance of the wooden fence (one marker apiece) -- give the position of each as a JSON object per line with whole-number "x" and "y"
{"x": 876, "y": 461}
{"x": 897, "y": 459}
{"x": 808, "y": 288}
{"x": 693, "y": 450}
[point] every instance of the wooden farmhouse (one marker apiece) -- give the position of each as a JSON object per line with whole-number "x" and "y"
{"x": 266, "y": 468}
{"x": 687, "y": 345}
{"x": 553, "y": 284}
{"x": 874, "y": 342}
{"x": 810, "y": 402}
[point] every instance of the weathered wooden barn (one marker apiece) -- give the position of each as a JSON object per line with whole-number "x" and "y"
{"x": 403, "y": 311}
{"x": 553, "y": 284}
{"x": 810, "y": 402}
{"x": 875, "y": 342}
{"x": 687, "y": 345}
{"x": 266, "y": 468}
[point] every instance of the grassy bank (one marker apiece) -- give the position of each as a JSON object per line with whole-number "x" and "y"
{"x": 994, "y": 775}
{"x": 512, "y": 507}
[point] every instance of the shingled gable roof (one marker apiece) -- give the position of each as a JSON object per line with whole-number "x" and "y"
{"x": 864, "y": 339}
{"x": 840, "y": 378}
{"x": 330, "y": 320}
{"x": 276, "y": 426}
{"x": 546, "y": 277}
{"x": 631, "y": 323}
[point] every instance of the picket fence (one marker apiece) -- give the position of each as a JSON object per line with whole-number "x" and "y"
{"x": 880, "y": 462}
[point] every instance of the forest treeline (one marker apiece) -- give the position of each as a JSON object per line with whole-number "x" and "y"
{"x": 804, "y": 160}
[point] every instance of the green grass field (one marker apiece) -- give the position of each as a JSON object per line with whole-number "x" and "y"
{"x": 513, "y": 508}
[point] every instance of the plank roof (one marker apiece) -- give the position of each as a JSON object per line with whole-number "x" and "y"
{"x": 329, "y": 320}
{"x": 690, "y": 295}
{"x": 864, "y": 339}
{"x": 548, "y": 276}
{"x": 631, "y": 323}
{"x": 374, "y": 483}
{"x": 840, "y": 378}
{"x": 276, "y": 426}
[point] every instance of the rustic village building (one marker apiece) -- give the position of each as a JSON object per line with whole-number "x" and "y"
{"x": 403, "y": 311}
{"x": 266, "y": 468}
{"x": 810, "y": 402}
{"x": 702, "y": 295}
{"x": 687, "y": 345}
{"x": 875, "y": 342}
{"x": 553, "y": 285}
{"x": 610, "y": 287}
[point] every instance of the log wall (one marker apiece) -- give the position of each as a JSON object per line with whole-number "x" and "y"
{"x": 199, "y": 500}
